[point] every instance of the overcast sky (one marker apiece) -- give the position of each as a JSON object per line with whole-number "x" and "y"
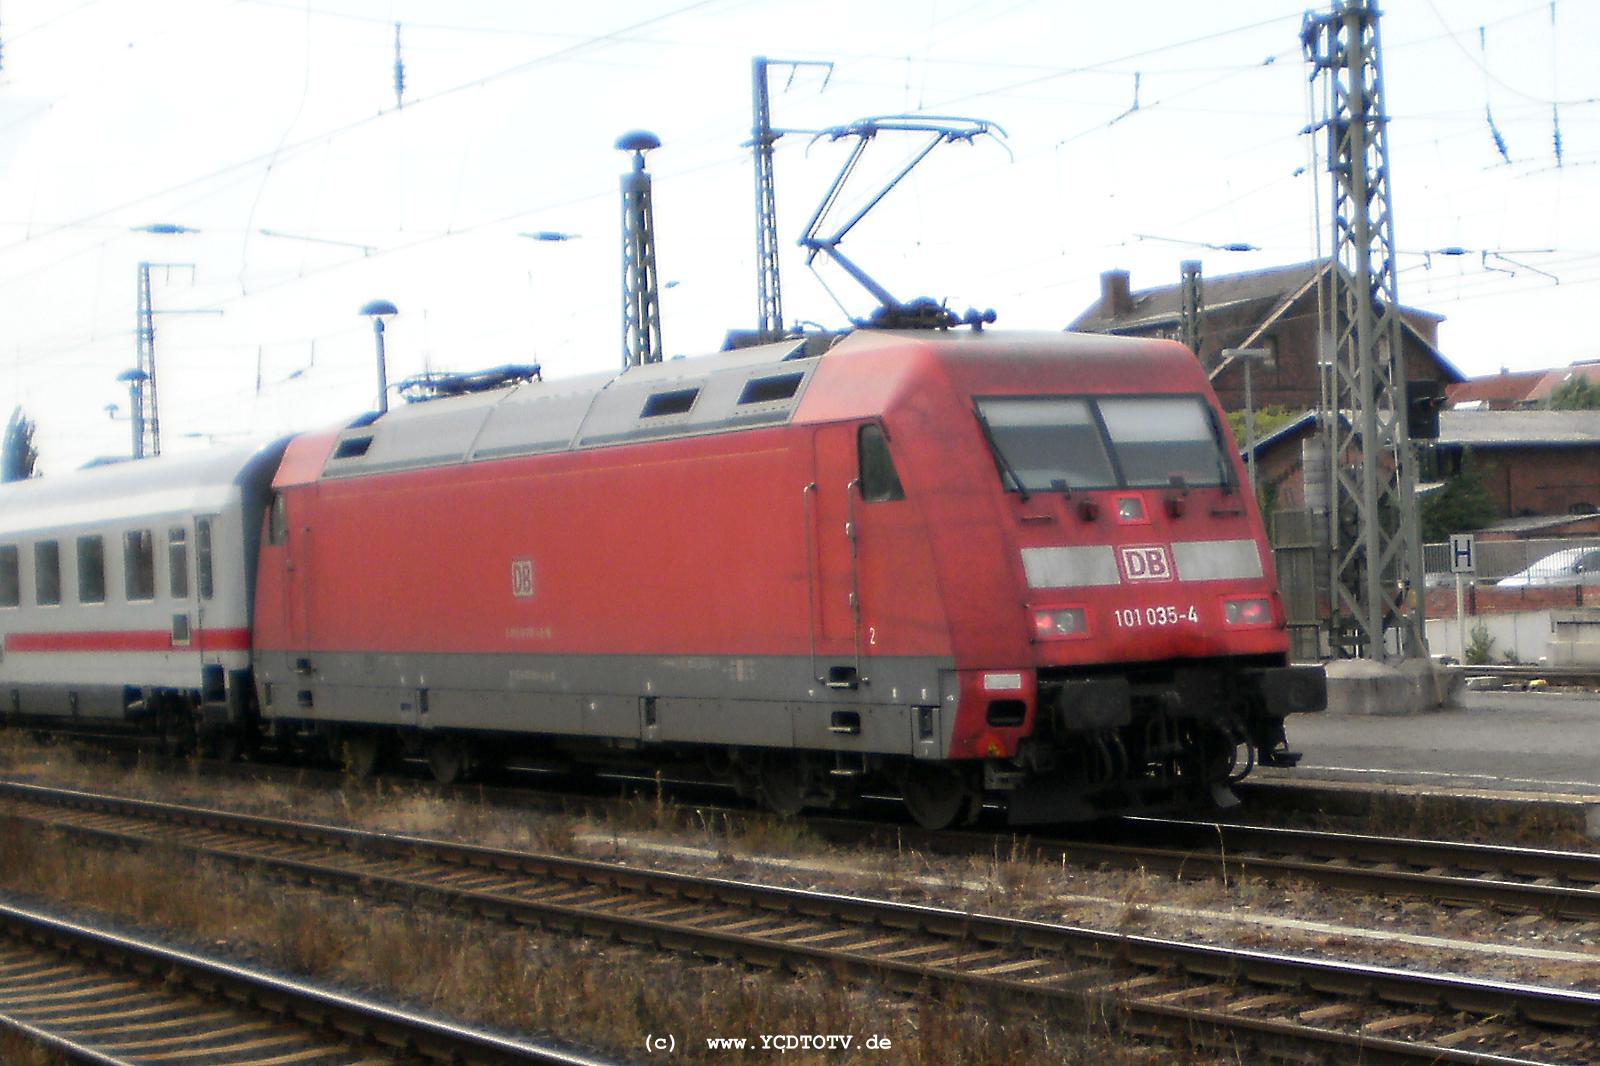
{"x": 1137, "y": 134}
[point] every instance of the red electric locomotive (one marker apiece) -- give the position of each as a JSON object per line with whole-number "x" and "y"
{"x": 964, "y": 567}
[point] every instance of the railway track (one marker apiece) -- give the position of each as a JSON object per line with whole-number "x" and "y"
{"x": 1224, "y": 997}
{"x": 93, "y": 996}
{"x": 1560, "y": 885}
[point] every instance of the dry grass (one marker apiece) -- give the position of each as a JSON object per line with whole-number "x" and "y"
{"x": 603, "y": 994}
{"x": 16, "y": 1050}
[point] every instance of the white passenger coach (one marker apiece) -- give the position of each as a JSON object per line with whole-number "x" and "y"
{"x": 126, "y": 590}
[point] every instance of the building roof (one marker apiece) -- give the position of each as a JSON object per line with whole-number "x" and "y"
{"x": 1510, "y": 429}
{"x": 1505, "y": 387}
{"x": 1554, "y": 379}
{"x": 1164, "y": 303}
{"x": 1275, "y": 290}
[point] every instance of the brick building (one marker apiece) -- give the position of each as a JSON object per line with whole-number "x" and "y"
{"x": 1533, "y": 462}
{"x": 1275, "y": 309}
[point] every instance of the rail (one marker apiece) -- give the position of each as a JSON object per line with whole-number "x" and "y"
{"x": 1281, "y": 1004}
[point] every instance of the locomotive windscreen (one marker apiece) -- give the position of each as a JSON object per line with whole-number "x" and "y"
{"x": 1067, "y": 443}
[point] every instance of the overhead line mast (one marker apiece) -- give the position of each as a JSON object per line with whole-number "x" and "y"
{"x": 1375, "y": 556}
{"x": 769, "y": 291}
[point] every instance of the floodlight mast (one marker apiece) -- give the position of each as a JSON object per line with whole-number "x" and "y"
{"x": 923, "y": 312}
{"x": 641, "y": 295}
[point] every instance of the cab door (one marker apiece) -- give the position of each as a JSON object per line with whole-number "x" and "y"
{"x": 835, "y": 596}
{"x": 288, "y": 530}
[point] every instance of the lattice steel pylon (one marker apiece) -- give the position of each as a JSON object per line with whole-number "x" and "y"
{"x": 641, "y": 295}
{"x": 1375, "y": 556}
{"x": 146, "y": 398}
{"x": 1193, "y": 301}
{"x": 769, "y": 290}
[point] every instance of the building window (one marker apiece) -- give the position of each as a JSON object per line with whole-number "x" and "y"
{"x": 1270, "y": 343}
{"x": 178, "y": 562}
{"x": 139, "y": 564}
{"x": 879, "y": 481}
{"x": 10, "y": 577}
{"x": 91, "y": 570}
{"x": 47, "y": 573}
{"x": 202, "y": 556}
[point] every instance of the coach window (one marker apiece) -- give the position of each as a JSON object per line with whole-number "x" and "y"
{"x": 178, "y": 561}
{"x": 10, "y": 577}
{"x": 91, "y": 570}
{"x": 139, "y": 564}
{"x": 278, "y": 521}
{"x": 879, "y": 482}
{"x": 202, "y": 556}
{"x": 47, "y": 573}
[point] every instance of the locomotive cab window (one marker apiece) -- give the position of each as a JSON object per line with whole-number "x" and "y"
{"x": 1047, "y": 443}
{"x": 10, "y": 577}
{"x": 202, "y": 557}
{"x": 1164, "y": 440}
{"x": 91, "y": 570}
{"x": 879, "y": 481}
{"x": 47, "y": 573}
{"x": 139, "y": 564}
{"x": 178, "y": 562}
{"x": 1065, "y": 443}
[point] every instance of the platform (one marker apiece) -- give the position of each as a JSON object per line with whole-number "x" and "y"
{"x": 1488, "y": 748}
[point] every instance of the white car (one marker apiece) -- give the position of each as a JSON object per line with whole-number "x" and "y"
{"x": 1571, "y": 566}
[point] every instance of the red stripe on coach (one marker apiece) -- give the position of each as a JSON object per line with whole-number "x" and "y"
{"x": 130, "y": 640}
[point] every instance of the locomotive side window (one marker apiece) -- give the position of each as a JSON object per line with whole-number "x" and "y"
{"x": 47, "y": 573}
{"x": 278, "y": 521}
{"x": 139, "y": 564}
{"x": 202, "y": 557}
{"x": 677, "y": 402}
{"x": 10, "y": 577}
{"x": 879, "y": 481}
{"x": 1159, "y": 438}
{"x": 91, "y": 570}
{"x": 178, "y": 562}
{"x": 768, "y": 390}
{"x": 1047, "y": 443}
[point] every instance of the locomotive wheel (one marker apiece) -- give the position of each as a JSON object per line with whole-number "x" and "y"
{"x": 937, "y": 797}
{"x": 363, "y": 754}
{"x": 450, "y": 761}
{"x": 783, "y": 785}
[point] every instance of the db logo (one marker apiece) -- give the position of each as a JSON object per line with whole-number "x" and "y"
{"x": 522, "y": 578}
{"x": 1146, "y": 564}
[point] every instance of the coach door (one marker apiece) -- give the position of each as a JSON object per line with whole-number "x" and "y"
{"x": 188, "y": 607}
{"x": 832, "y": 504}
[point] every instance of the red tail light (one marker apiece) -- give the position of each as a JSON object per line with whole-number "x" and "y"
{"x": 1251, "y": 612}
{"x": 1060, "y": 624}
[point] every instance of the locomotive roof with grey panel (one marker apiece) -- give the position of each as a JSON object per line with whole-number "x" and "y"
{"x": 679, "y": 398}
{"x": 187, "y": 483}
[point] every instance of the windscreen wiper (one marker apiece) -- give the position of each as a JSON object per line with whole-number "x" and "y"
{"x": 1006, "y": 469}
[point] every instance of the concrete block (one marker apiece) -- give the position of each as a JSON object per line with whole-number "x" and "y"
{"x": 1361, "y": 686}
